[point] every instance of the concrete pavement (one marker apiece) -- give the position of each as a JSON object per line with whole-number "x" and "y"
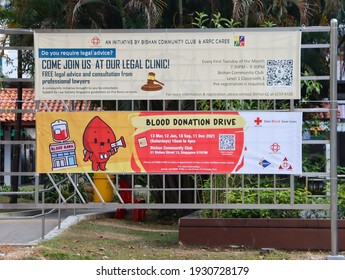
{"x": 20, "y": 229}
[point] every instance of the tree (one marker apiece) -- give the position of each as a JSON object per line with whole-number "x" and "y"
{"x": 243, "y": 8}
{"x": 151, "y": 9}
{"x": 94, "y": 14}
{"x": 115, "y": 14}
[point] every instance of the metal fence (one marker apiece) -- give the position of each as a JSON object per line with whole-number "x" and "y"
{"x": 219, "y": 193}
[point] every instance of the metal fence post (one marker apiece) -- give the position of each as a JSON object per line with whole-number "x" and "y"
{"x": 333, "y": 140}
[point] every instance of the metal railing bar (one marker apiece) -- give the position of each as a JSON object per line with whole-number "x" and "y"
{"x": 56, "y": 187}
{"x": 21, "y": 142}
{"x": 17, "y": 173}
{"x": 94, "y": 187}
{"x": 111, "y": 206}
{"x": 315, "y": 46}
{"x": 314, "y": 78}
{"x": 75, "y": 187}
{"x": 17, "y": 80}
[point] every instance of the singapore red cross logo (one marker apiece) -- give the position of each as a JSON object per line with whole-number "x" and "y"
{"x": 258, "y": 121}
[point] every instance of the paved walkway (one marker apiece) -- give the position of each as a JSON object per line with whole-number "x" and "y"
{"x": 28, "y": 230}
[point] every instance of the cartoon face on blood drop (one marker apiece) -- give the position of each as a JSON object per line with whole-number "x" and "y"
{"x": 99, "y": 142}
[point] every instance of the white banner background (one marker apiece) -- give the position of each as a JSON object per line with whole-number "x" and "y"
{"x": 273, "y": 143}
{"x": 169, "y": 64}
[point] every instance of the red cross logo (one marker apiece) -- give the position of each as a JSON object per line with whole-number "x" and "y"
{"x": 95, "y": 40}
{"x": 258, "y": 121}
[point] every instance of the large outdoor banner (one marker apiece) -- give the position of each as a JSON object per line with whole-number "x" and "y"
{"x": 168, "y": 64}
{"x": 169, "y": 142}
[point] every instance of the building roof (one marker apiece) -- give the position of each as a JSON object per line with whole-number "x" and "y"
{"x": 8, "y": 102}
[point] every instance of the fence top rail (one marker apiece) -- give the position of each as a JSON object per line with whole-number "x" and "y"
{"x": 15, "y": 31}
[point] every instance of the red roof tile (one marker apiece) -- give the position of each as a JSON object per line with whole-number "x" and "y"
{"x": 8, "y": 101}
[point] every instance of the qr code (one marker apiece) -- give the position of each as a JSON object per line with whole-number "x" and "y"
{"x": 227, "y": 142}
{"x": 279, "y": 72}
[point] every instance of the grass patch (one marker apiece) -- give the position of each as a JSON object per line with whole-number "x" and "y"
{"x": 150, "y": 240}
